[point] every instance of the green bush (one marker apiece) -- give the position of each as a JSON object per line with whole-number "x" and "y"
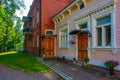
{"x": 86, "y": 60}
{"x": 86, "y": 66}
{"x": 111, "y": 64}
{"x": 74, "y": 59}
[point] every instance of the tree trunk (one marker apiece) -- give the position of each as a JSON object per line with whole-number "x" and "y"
{"x": 4, "y": 47}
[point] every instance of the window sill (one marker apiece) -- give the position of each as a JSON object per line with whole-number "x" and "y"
{"x": 103, "y": 47}
{"x": 63, "y": 47}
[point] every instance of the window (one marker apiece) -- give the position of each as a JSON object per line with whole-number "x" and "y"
{"x": 64, "y": 38}
{"x": 82, "y": 6}
{"x": 83, "y": 26}
{"x": 104, "y": 20}
{"x": 99, "y": 36}
{"x": 103, "y": 31}
{"x": 37, "y": 40}
{"x": 108, "y": 35}
{"x": 38, "y": 16}
{"x": 49, "y": 32}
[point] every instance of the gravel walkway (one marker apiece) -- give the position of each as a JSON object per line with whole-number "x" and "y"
{"x": 10, "y": 74}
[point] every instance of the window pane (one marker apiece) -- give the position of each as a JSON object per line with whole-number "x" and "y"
{"x": 49, "y": 32}
{"x": 83, "y": 26}
{"x": 82, "y": 6}
{"x": 99, "y": 36}
{"x": 108, "y": 35}
{"x": 104, "y": 20}
{"x": 61, "y": 41}
{"x": 64, "y": 38}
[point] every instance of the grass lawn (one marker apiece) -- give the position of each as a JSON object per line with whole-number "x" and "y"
{"x": 22, "y": 61}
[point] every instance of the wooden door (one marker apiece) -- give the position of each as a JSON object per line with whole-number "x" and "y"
{"x": 49, "y": 47}
{"x": 82, "y": 46}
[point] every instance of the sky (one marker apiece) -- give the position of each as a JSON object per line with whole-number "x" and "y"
{"x": 24, "y": 12}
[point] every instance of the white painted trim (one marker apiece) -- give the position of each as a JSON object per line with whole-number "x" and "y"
{"x": 114, "y": 44}
{"x": 81, "y": 21}
{"x": 77, "y": 47}
{"x": 101, "y": 6}
{"x": 78, "y": 22}
{"x": 89, "y": 38}
{"x": 96, "y": 16}
{"x": 93, "y": 33}
{"x": 63, "y": 28}
{"x": 68, "y": 33}
{"x": 49, "y": 30}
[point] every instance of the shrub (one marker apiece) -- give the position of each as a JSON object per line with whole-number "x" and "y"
{"x": 86, "y": 60}
{"x": 111, "y": 64}
{"x": 74, "y": 59}
{"x": 86, "y": 66}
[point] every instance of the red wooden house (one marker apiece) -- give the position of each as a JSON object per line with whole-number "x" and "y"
{"x": 39, "y": 28}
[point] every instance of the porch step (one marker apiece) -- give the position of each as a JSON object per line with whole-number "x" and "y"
{"x": 59, "y": 72}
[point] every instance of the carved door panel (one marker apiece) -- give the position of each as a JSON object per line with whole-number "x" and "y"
{"x": 49, "y": 47}
{"x": 82, "y": 46}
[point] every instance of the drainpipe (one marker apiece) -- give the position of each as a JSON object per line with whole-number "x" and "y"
{"x": 40, "y": 12}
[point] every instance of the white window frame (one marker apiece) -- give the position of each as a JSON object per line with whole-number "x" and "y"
{"x": 103, "y": 33}
{"x": 66, "y": 44}
{"x": 81, "y": 24}
{"x": 82, "y": 21}
{"x": 49, "y": 30}
{"x": 108, "y": 11}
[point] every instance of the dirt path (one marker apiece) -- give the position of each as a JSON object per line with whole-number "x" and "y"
{"x": 10, "y": 74}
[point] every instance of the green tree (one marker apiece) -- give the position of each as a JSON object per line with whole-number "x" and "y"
{"x": 7, "y": 20}
{"x": 18, "y": 39}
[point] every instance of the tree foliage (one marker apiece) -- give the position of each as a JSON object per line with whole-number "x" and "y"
{"x": 10, "y": 35}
